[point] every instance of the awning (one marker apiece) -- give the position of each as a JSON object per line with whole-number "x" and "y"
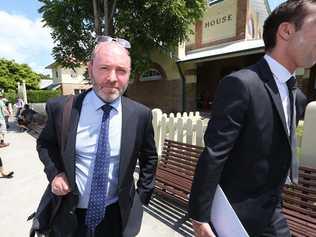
{"x": 228, "y": 50}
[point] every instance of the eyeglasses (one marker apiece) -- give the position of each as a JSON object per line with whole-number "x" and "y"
{"x": 122, "y": 42}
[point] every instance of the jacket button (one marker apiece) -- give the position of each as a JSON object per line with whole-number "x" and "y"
{"x": 71, "y": 212}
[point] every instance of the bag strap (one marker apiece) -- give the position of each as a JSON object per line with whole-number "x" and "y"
{"x": 66, "y": 120}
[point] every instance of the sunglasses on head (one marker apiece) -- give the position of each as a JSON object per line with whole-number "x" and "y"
{"x": 122, "y": 42}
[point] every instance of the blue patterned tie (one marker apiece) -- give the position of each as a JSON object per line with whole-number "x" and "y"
{"x": 97, "y": 201}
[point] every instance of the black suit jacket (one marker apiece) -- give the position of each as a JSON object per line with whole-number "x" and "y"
{"x": 137, "y": 143}
{"x": 247, "y": 149}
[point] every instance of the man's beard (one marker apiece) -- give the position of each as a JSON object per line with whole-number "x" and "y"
{"x": 110, "y": 97}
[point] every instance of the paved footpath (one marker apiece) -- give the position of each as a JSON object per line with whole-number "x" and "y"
{"x": 19, "y": 196}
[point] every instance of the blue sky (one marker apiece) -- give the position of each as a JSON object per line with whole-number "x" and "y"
{"x": 274, "y": 3}
{"x": 22, "y": 35}
{"x": 27, "y": 8}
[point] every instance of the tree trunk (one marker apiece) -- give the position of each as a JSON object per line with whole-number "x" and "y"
{"x": 106, "y": 17}
{"x": 96, "y": 13}
{"x": 111, "y": 17}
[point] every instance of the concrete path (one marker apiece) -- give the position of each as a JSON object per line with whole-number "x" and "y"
{"x": 19, "y": 196}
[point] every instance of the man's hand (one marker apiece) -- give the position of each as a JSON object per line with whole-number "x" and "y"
{"x": 202, "y": 229}
{"x": 60, "y": 185}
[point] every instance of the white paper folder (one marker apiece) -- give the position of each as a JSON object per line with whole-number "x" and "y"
{"x": 223, "y": 217}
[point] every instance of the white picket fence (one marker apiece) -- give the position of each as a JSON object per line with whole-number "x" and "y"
{"x": 187, "y": 127}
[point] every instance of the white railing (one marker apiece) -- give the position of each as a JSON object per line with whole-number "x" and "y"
{"x": 308, "y": 148}
{"x": 187, "y": 127}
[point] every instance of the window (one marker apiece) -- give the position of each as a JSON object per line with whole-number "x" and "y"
{"x": 73, "y": 73}
{"x": 151, "y": 75}
{"x": 79, "y": 91}
{"x": 272, "y": 4}
{"x": 56, "y": 73}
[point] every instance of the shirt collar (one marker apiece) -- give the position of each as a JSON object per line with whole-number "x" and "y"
{"x": 278, "y": 70}
{"x": 97, "y": 103}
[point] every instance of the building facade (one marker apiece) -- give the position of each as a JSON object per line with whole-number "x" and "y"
{"x": 69, "y": 81}
{"x": 226, "y": 39}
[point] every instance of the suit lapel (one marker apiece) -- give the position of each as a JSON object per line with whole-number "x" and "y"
{"x": 270, "y": 84}
{"x": 127, "y": 138}
{"x": 69, "y": 154}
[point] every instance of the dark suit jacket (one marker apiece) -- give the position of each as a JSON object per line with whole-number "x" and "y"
{"x": 247, "y": 149}
{"x": 137, "y": 143}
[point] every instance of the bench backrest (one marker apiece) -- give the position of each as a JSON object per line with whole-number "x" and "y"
{"x": 176, "y": 170}
{"x": 301, "y": 198}
{"x": 180, "y": 158}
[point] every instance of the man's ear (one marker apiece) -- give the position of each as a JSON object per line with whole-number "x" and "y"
{"x": 285, "y": 31}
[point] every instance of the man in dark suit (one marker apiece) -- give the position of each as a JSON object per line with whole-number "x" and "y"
{"x": 249, "y": 142}
{"x": 90, "y": 170}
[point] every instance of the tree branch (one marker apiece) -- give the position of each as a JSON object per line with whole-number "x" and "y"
{"x": 113, "y": 9}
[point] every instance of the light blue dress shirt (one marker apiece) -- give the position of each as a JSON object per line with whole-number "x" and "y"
{"x": 86, "y": 146}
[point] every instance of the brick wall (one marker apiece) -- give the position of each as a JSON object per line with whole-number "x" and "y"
{"x": 163, "y": 94}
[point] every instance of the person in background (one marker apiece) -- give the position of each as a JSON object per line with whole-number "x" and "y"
{"x": 19, "y": 104}
{"x": 26, "y": 116}
{"x": 3, "y": 173}
{"x": 3, "y": 125}
{"x": 8, "y": 113}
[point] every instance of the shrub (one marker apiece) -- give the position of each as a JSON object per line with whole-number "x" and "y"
{"x": 41, "y": 96}
{"x": 10, "y": 95}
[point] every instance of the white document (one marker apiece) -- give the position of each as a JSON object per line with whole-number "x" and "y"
{"x": 223, "y": 217}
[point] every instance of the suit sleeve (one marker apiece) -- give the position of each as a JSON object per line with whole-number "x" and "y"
{"x": 228, "y": 115}
{"x": 147, "y": 162}
{"x": 47, "y": 146}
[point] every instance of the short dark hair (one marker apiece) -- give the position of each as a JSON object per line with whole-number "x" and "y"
{"x": 293, "y": 11}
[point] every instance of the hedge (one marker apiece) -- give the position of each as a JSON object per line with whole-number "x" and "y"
{"x": 41, "y": 96}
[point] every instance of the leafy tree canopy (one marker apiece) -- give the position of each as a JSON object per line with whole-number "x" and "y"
{"x": 11, "y": 73}
{"x": 147, "y": 24}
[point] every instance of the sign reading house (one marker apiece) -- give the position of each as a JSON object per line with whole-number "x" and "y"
{"x": 220, "y": 21}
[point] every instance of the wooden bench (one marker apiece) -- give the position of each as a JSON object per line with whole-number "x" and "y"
{"x": 176, "y": 169}
{"x": 299, "y": 204}
{"x": 35, "y": 129}
{"x": 175, "y": 174}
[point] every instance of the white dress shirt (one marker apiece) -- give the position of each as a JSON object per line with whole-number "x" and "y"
{"x": 281, "y": 76}
{"x": 86, "y": 146}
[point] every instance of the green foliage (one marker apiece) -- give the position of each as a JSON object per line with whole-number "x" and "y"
{"x": 300, "y": 129}
{"x": 10, "y": 95}
{"x": 147, "y": 24}
{"x": 299, "y": 136}
{"x": 45, "y": 77}
{"x": 41, "y": 96}
{"x": 11, "y": 73}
